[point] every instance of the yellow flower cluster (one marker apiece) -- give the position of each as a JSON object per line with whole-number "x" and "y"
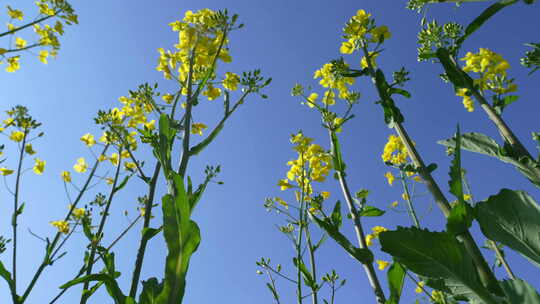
{"x": 62, "y": 226}
{"x": 395, "y": 151}
{"x": 197, "y": 128}
{"x": 201, "y": 39}
{"x": 39, "y": 166}
{"x": 468, "y": 102}
{"x": 492, "y": 68}
{"x": 313, "y": 164}
{"x": 332, "y": 81}
{"x": 360, "y": 29}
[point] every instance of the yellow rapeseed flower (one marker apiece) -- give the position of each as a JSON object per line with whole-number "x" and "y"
{"x": 66, "y": 176}
{"x": 325, "y": 194}
{"x": 15, "y": 13}
{"x": 168, "y": 98}
{"x": 62, "y": 226}
{"x": 231, "y": 81}
{"x": 382, "y": 264}
{"x": 420, "y": 287}
{"x": 197, "y": 128}
{"x": 88, "y": 139}
{"x": 81, "y": 166}
{"x": 29, "y": 149}
{"x": 5, "y": 171}
{"x": 20, "y": 43}
{"x": 43, "y": 55}
{"x": 16, "y": 136}
{"x": 389, "y": 177}
{"x": 39, "y": 166}
{"x": 13, "y": 64}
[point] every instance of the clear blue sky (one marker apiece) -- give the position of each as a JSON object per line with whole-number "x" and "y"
{"x": 114, "y": 49}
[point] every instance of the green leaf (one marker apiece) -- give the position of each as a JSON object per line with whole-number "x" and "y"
{"x": 480, "y": 143}
{"x": 396, "y": 278}
{"x": 112, "y": 286}
{"x": 6, "y": 275}
{"x": 364, "y": 256}
{"x": 400, "y": 92}
{"x": 461, "y": 215}
{"x": 335, "y": 217}
{"x": 371, "y": 211}
{"x": 148, "y": 232}
{"x": 182, "y": 236}
{"x": 122, "y": 184}
{"x": 518, "y": 291}
{"x": 336, "y": 154}
{"x": 435, "y": 255}
{"x": 151, "y": 289}
{"x": 308, "y": 277}
{"x": 484, "y": 16}
{"x": 163, "y": 151}
{"x": 512, "y": 218}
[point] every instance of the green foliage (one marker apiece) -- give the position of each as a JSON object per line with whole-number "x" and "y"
{"x": 518, "y": 291}
{"x": 532, "y": 57}
{"x": 480, "y": 143}
{"x": 436, "y": 255}
{"x": 182, "y": 236}
{"x": 396, "y": 279}
{"x": 511, "y": 218}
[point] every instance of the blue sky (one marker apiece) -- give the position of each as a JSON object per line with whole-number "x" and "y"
{"x": 113, "y": 50}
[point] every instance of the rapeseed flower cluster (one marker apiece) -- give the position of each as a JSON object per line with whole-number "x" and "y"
{"x": 394, "y": 152}
{"x": 333, "y": 82}
{"x": 313, "y": 164}
{"x": 47, "y": 34}
{"x": 202, "y": 41}
{"x": 492, "y": 68}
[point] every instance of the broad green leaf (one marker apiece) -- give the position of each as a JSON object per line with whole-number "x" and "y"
{"x": 396, "y": 278}
{"x": 371, "y": 211}
{"x": 364, "y": 256}
{"x": 148, "y": 232}
{"x": 308, "y": 277}
{"x": 484, "y": 16}
{"x": 182, "y": 236}
{"x": 480, "y": 143}
{"x": 435, "y": 255}
{"x": 513, "y": 219}
{"x": 335, "y": 217}
{"x": 151, "y": 289}
{"x": 336, "y": 154}
{"x": 520, "y": 292}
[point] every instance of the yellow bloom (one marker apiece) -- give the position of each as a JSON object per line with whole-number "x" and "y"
{"x": 346, "y": 47}
{"x": 16, "y": 136}
{"x": 467, "y": 197}
{"x": 102, "y": 157}
{"x": 337, "y": 122}
{"x": 420, "y": 287}
{"x": 62, "y": 226}
{"x": 39, "y": 166}
{"x": 405, "y": 196}
{"x": 231, "y": 81}
{"x": 390, "y": 178}
{"x": 212, "y": 92}
{"x": 13, "y": 64}
{"x": 168, "y": 98}
{"x": 20, "y": 43}
{"x": 372, "y": 57}
{"x": 151, "y": 125}
{"x": 130, "y": 166}
{"x": 29, "y": 149}
{"x": 78, "y": 213}
{"x": 114, "y": 159}
{"x": 5, "y": 171}
{"x": 377, "y": 230}
{"x": 312, "y": 98}
{"x": 284, "y": 184}
{"x": 15, "y": 13}
{"x": 394, "y": 204}
{"x": 382, "y": 264}
{"x": 197, "y": 128}
{"x": 9, "y": 122}
{"x": 109, "y": 180}
{"x": 369, "y": 239}
{"x": 88, "y": 139}
{"x": 43, "y": 54}
{"x": 66, "y": 176}
{"x": 125, "y": 154}
{"x": 81, "y": 166}
{"x": 417, "y": 178}
{"x": 325, "y": 194}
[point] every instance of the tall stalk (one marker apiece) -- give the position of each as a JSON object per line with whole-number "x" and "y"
{"x": 360, "y": 235}
{"x": 486, "y": 275}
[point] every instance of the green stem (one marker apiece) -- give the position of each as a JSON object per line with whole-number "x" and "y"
{"x": 314, "y": 297}
{"x": 144, "y": 241}
{"x": 98, "y": 236}
{"x": 14, "y": 219}
{"x": 410, "y": 206}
